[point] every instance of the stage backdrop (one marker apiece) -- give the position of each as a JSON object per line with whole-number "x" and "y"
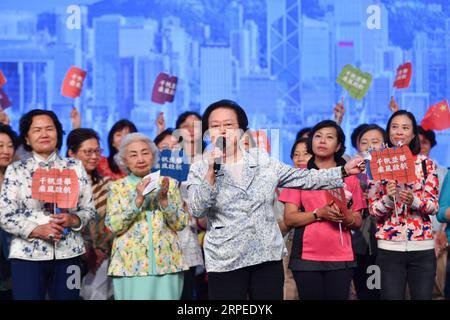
{"x": 278, "y": 58}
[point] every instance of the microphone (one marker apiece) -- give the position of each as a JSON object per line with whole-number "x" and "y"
{"x": 221, "y": 144}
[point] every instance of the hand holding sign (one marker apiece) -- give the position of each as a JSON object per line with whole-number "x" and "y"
{"x": 393, "y": 105}
{"x": 73, "y": 82}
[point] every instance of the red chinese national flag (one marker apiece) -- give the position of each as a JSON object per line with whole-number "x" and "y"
{"x": 437, "y": 117}
{"x": 73, "y": 82}
{"x": 404, "y": 75}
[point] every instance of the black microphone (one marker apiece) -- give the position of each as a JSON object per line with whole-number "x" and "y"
{"x": 221, "y": 144}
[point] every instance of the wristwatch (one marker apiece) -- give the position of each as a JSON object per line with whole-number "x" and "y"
{"x": 316, "y": 216}
{"x": 344, "y": 173}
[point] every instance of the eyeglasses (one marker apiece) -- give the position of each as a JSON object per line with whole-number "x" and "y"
{"x": 90, "y": 152}
{"x": 227, "y": 125}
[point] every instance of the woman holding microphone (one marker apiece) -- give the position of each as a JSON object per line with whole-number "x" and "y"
{"x": 243, "y": 244}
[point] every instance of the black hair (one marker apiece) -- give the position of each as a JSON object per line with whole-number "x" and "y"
{"x": 302, "y": 132}
{"x": 118, "y": 126}
{"x": 301, "y": 140}
{"x": 428, "y": 134}
{"x": 354, "y": 137}
{"x": 240, "y": 113}
{"x": 340, "y": 139}
{"x": 74, "y": 141}
{"x": 414, "y": 145}
{"x": 182, "y": 118}
{"x": 27, "y": 119}
{"x": 368, "y": 128}
{"x": 160, "y": 137}
{"x": 6, "y": 129}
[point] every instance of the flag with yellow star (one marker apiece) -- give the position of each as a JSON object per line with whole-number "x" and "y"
{"x": 437, "y": 117}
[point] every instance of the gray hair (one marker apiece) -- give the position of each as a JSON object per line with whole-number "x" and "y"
{"x": 130, "y": 138}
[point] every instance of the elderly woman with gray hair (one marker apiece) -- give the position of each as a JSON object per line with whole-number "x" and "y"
{"x": 146, "y": 259}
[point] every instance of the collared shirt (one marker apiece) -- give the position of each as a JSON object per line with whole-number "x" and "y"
{"x": 20, "y": 214}
{"x": 242, "y": 229}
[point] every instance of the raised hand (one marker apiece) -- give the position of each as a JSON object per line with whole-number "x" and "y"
{"x": 339, "y": 111}
{"x": 393, "y": 105}
{"x": 4, "y": 119}
{"x": 75, "y": 117}
{"x": 160, "y": 122}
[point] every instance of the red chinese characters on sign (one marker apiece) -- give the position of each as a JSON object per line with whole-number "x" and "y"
{"x": 164, "y": 88}
{"x": 56, "y": 186}
{"x": 2, "y": 79}
{"x": 338, "y": 197}
{"x": 403, "y": 77}
{"x": 73, "y": 82}
{"x": 393, "y": 164}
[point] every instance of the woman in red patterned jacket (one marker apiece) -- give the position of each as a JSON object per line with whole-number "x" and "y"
{"x": 404, "y": 231}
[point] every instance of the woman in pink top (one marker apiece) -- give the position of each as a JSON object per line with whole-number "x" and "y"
{"x": 322, "y": 258}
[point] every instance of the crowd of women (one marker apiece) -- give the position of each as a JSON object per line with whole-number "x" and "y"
{"x": 243, "y": 225}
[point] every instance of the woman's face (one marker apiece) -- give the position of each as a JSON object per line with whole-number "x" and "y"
{"x": 6, "y": 150}
{"x": 425, "y": 145}
{"x": 118, "y": 136}
{"x": 224, "y": 122}
{"x": 301, "y": 155}
{"x": 169, "y": 142}
{"x": 139, "y": 158}
{"x": 191, "y": 129}
{"x": 42, "y": 136}
{"x": 401, "y": 130}
{"x": 325, "y": 143}
{"x": 89, "y": 154}
{"x": 371, "y": 138}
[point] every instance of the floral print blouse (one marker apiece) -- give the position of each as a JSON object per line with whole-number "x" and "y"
{"x": 20, "y": 214}
{"x": 146, "y": 240}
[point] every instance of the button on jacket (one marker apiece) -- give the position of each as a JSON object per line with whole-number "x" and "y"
{"x": 242, "y": 229}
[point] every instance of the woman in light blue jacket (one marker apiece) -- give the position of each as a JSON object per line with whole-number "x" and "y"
{"x": 443, "y": 216}
{"x": 243, "y": 243}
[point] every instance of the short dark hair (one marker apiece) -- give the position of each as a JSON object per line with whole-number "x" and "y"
{"x": 6, "y": 129}
{"x": 340, "y": 138}
{"x": 354, "y": 137}
{"x": 301, "y": 140}
{"x": 26, "y": 121}
{"x": 74, "y": 141}
{"x": 240, "y": 113}
{"x": 182, "y": 118}
{"x": 414, "y": 145}
{"x": 302, "y": 132}
{"x": 118, "y": 126}
{"x": 160, "y": 137}
{"x": 428, "y": 134}
{"x": 370, "y": 127}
